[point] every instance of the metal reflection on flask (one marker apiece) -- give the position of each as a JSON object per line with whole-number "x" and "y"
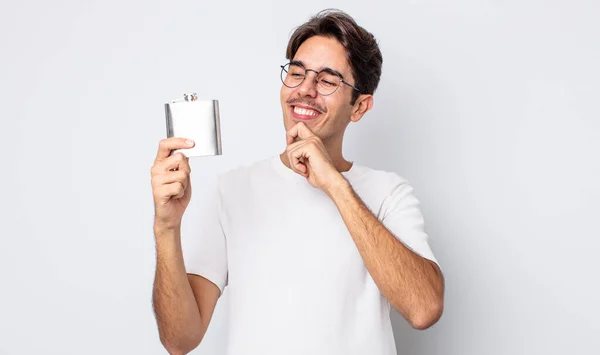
{"x": 195, "y": 119}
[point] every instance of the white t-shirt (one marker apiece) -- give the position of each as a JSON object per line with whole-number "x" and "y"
{"x": 296, "y": 281}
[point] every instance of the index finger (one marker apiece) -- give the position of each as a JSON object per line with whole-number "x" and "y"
{"x": 298, "y": 130}
{"x": 167, "y": 145}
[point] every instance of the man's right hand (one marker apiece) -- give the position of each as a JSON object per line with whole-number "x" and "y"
{"x": 171, "y": 187}
{"x": 183, "y": 303}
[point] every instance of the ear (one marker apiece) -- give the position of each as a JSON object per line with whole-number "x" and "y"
{"x": 362, "y": 105}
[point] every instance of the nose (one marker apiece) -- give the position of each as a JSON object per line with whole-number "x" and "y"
{"x": 309, "y": 85}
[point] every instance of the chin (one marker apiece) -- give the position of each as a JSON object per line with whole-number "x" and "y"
{"x": 291, "y": 122}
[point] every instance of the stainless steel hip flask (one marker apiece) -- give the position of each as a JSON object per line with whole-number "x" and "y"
{"x": 195, "y": 119}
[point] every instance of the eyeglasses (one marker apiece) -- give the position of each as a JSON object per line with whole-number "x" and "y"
{"x": 327, "y": 80}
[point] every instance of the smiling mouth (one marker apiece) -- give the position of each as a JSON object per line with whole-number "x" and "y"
{"x": 304, "y": 111}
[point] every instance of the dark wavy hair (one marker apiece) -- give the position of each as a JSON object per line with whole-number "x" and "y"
{"x": 362, "y": 50}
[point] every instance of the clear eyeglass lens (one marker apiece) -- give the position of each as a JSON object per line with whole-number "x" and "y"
{"x": 292, "y": 75}
{"x": 327, "y": 83}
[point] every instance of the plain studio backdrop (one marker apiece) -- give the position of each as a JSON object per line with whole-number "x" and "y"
{"x": 489, "y": 108}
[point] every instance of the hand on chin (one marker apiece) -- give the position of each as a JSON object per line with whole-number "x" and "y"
{"x": 308, "y": 157}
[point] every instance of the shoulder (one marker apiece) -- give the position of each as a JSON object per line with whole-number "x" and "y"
{"x": 393, "y": 200}
{"x": 382, "y": 181}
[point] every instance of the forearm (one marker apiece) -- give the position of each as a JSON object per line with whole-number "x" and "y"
{"x": 411, "y": 283}
{"x": 177, "y": 314}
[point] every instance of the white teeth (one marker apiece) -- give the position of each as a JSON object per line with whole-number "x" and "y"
{"x": 306, "y": 112}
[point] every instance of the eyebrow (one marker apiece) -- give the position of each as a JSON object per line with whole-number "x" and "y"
{"x": 326, "y": 69}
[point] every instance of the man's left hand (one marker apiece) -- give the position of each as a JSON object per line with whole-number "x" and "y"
{"x": 309, "y": 158}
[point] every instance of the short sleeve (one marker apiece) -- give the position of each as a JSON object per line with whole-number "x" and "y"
{"x": 202, "y": 238}
{"x": 402, "y": 216}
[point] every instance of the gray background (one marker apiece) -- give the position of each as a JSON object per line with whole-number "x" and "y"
{"x": 489, "y": 108}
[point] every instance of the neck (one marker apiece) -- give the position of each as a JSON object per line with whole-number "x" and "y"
{"x": 334, "y": 149}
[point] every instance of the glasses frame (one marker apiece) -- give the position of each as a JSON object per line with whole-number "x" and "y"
{"x": 306, "y": 70}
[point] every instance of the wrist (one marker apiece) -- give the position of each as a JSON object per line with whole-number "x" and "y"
{"x": 166, "y": 225}
{"x": 338, "y": 187}
{"x": 166, "y": 232}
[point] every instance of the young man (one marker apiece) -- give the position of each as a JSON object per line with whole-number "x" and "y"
{"x": 312, "y": 247}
